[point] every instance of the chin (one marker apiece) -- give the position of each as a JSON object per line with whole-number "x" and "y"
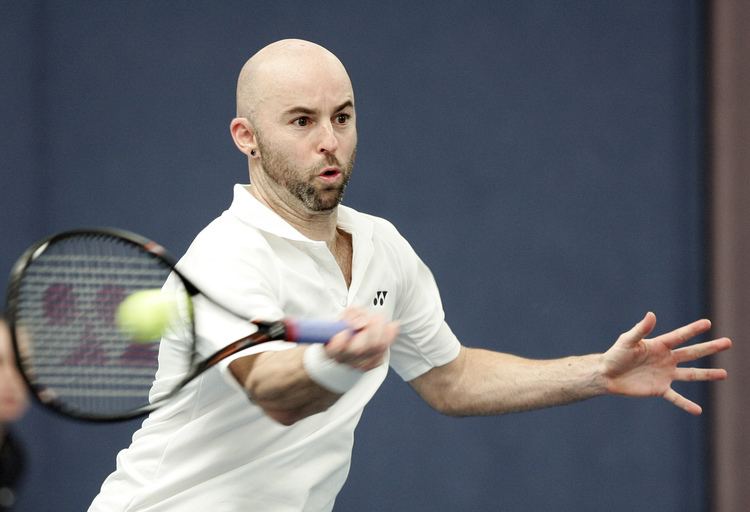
{"x": 324, "y": 201}
{"x": 324, "y": 207}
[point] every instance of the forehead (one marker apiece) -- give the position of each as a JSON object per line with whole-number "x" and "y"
{"x": 313, "y": 83}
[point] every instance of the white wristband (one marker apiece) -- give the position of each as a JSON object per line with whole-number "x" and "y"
{"x": 328, "y": 373}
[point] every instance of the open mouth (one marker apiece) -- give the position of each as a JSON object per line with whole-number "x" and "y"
{"x": 330, "y": 174}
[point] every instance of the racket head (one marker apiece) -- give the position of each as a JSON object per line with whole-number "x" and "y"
{"x": 62, "y": 300}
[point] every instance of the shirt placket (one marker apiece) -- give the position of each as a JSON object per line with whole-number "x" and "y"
{"x": 331, "y": 274}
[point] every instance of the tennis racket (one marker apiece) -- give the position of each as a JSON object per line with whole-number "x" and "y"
{"x": 62, "y": 300}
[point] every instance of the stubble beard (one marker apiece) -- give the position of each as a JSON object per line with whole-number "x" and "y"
{"x": 300, "y": 183}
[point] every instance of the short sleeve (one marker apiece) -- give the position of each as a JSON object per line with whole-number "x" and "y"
{"x": 240, "y": 279}
{"x": 425, "y": 340}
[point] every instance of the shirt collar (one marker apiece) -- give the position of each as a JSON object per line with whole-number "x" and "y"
{"x": 246, "y": 207}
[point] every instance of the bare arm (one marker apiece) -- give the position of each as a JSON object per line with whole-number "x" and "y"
{"x": 279, "y": 384}
{"x": 481, "y": 382}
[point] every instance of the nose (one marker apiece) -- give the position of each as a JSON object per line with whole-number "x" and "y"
{"x": 328, "y": 142}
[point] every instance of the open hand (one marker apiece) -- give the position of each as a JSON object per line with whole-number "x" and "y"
{"x": 636, "y": 366}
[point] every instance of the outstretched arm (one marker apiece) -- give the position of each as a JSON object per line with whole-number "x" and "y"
{"x": 481, "y": 382}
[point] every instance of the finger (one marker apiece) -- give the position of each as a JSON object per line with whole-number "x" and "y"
{"x": 699, "y": 350}
{"x": 684, "y": 333}
{"x": 363, "y": 344}
{"x": 390, "y": 332}
{"x": 380, "y": 335}
{"x": 370, "y": 354}
{"x": 683, "y": 403}
{"x": 338, "y": 343}
{"x": 700, "y": 374}
{"x": 367, "y": 342}
{"x": 356, "y": 318}
{"x": 639, "y": 331}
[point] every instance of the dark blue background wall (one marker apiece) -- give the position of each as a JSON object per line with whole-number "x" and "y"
{"x": 544, "y": 158}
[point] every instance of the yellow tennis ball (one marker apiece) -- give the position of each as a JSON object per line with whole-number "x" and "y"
{"x": 146, "y": 314}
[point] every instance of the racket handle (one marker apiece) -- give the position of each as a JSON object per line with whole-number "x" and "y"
{"x": 313, "y": 331}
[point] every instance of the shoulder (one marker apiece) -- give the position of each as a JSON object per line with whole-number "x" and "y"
{"x": 227, "y": 252}
{"x": 227, "y": 237}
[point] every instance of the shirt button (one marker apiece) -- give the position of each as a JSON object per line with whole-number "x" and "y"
{"x": 339, "y": 297}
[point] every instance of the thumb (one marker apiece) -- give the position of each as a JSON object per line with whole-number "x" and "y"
{"x": 639, "y": 330}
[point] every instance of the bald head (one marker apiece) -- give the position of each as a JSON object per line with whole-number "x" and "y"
{"x": 296, "y": 122}
{"x": 281, "y": 66}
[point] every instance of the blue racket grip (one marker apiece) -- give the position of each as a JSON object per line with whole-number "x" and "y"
{"x": 313, "y": 331}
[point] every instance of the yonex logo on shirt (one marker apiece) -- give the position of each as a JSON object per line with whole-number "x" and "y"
{"x": 379, "y": 298}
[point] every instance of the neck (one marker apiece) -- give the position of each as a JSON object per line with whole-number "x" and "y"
{"x": 314, "y": 225}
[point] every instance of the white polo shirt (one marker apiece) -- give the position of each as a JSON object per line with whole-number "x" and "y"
{"x": 211, "y": 448}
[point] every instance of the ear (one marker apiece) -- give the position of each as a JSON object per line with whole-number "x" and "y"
{"x": 243, "y": 135}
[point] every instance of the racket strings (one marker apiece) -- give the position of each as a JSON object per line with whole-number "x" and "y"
{"x": 66, "y": 326}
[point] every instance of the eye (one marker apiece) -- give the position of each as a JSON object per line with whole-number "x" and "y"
{"x": 343, "y": 118}
{"x": 301, "y": 121}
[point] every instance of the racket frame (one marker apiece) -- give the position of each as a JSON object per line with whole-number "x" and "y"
{"x": 266, "y": 331}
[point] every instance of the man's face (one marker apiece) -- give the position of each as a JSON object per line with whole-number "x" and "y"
{"x": 319, "y": 187}
{"x": 306, "y": 135}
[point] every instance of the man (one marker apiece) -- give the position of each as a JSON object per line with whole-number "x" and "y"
{"x": 272, "y": 428}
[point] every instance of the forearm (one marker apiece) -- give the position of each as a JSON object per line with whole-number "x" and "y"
{"x": 481, "y": 382}
{"x": 293, "y": 384}
{"x": 278, "y": 383}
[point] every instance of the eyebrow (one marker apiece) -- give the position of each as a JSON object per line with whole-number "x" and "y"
{"x": 309, "y": 111}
